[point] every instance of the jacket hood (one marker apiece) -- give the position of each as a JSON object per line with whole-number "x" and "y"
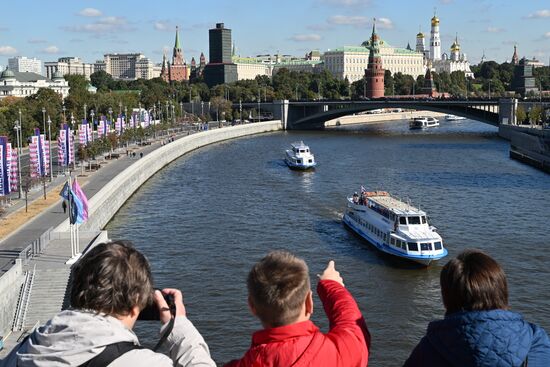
{"x": 482, "y": 338}
{"x": 71, "y": 338}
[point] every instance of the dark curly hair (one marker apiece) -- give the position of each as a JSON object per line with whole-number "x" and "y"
{"x": 112, "y": 278}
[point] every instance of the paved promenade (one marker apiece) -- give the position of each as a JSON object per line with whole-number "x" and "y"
{"x": 53, "y": 216}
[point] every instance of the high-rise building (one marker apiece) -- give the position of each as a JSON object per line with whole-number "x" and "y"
{"x": 523, "y": 81}
{"x": 23, "y": 64}
{"x": 126, "y": 66}
{"x": 68, "y": 66}
{"x": 374, "y": 74}
{"x": 220, "y": 69}
{"x": 178, "y": 69}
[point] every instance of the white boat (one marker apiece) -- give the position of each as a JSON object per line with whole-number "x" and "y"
{"x": 423, "y": 122}
{"x": 300, "y": 157}
{"x": 394, "y": 227}
{"x": 454, "y": 118}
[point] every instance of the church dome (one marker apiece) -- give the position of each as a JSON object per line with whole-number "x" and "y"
{"x": 455, "y": 46}
{"x": 8, "y": 74}
{"x": 420, "y": 35}
{"x": 58, "y": 75}
{"x": 435, "y": 21}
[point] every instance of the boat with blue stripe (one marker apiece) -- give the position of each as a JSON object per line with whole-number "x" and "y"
{"x": 394, "y": 227}
{"x": 299, "y": 157}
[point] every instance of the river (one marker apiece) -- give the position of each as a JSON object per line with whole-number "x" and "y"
{"x": 206, "y": 218}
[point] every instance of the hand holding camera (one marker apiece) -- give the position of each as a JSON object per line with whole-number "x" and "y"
{"x": 169, "y": 301}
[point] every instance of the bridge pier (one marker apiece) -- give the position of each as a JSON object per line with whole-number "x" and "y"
{"x": 507, "y": 111}
{"x": 279, "y": 109}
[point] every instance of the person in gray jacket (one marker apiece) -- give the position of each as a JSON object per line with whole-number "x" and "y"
{"x": 111, "y": 285}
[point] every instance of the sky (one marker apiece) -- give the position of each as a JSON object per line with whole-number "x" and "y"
{"x": 88, "y": 29}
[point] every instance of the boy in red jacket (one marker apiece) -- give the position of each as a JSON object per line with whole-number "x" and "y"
{"x": 279, "y": 294}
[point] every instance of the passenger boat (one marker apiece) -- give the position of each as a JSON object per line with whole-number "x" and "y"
{"x": 423, "y": 122}
{"x": 454, "y": 118}
{"x": 300, "y": 157}
{"x": 394, "y": 227}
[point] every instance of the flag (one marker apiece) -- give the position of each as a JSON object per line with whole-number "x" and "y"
{"x": 363, "y": 189}
{"x": 76, "y": 207}
{"x": 77, "y": 190}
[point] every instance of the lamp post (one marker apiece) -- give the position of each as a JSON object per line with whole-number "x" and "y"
{"x": 240, "y": 111}
{"x": 111, "y": 114}
{"x": 181, "y": 109}
{"x": 63, "y": 108}
{"x": 154, "y": 121}
{"x": 44, "y": 119}
{"x": 17, "y": 132}
{"x": 167, "y": 114}
{"x": 120, "y": 108}
{"x": 85, "y": 111}
{"x": 489, "y": 88}
{"x": 202, "y": 108}
{"x": 296, "y": 91}
{"x": 173, "y": 113}
{"x": 50, "y": 147}
{"x": 72, "y": 120}
{"x": 259, "y": 105}
{"x": 92, "y": 114}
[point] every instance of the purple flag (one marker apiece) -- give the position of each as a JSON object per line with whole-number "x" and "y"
{"x": 80, "y": 194}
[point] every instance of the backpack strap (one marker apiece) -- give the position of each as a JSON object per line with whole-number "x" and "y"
{"x": 110, "y": 353}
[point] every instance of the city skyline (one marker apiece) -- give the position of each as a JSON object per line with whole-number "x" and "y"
{"x": 90, "y": 29}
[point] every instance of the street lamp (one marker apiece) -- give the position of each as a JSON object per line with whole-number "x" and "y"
{"x": 50, "y": 147}
{"x": 120, "y": 108}
{"x": 92, "y": 114}
{"x": 85, "y": 111}
{"x": 17, "y": 132}
{"x": 259, "y": 105}
{"x": 167, "y": 114}
{"x": 181, "y": 108}
{"x": 489, "y": 88}
{"x": 63, "y": 108}
{"x": 44, "y": 119}
{"x": 111, "y": 115}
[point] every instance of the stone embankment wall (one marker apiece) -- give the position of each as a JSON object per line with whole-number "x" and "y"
{"x": 105, "y": 203}
{"x": 10, "y": 287}
{"x": 380, "y": 117}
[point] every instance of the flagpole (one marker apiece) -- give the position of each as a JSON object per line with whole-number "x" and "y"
{"x": 70, "y": 216}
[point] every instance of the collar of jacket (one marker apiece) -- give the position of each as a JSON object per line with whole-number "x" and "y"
{"x": 284, "y": 332}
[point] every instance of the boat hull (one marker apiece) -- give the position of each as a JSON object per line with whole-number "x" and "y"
{"x": 424, "y": 260}
{"x": 299, "y": 167}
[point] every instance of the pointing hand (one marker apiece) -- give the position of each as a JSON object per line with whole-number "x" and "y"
{"x": 330, "y": 273}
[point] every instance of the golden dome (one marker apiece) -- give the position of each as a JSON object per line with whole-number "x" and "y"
{"x": 435, "y": 21}
{"x": 420, "y": 35}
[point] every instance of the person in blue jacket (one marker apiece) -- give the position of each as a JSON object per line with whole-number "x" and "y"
{"x": 478, "y": 328}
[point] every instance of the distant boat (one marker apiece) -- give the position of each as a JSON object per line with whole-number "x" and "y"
{"x": 394, "y": 227}
{"x": 300, "y": 157}
{"x": 423, "y": 122}
{"x": 454, "y": 118}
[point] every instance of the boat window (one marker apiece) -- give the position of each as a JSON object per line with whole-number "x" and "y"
{"x": 298, "y": 161}
{"x": 437, "y": 245}
{"x": 310, "y": 161}
{"x": 414, "y": 220}
{"x": 424, "y": 220}
{"x": 413, "y": 246}
{"x": 392, "y": 241}
{"x": 302, "y": 151}
{"x": 426, "y": 246}
{"x": 403, "y": 220}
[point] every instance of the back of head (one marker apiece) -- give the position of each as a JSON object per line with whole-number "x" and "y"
{"x": 112, "y": 278}
{"x": 473, "y": 281}
{"x": 277, "y": 288}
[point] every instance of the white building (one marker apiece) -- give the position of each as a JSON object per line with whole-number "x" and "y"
{"x": 126, "y": 66}
{"x": 457, "y": 61}
{"x": 268, "y": 65}
{"x": 23, "y": 64}
{"x": 17, "y": 84}
{"x": 69, "y": 66}
{"x": 351, "y": 61}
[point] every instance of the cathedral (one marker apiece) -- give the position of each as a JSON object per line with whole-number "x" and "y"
{"x": 177, "y": 70}
{"x": 456, "y": 61}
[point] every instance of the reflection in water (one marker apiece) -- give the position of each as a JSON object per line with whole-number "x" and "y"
{"x": 205, "y": 219}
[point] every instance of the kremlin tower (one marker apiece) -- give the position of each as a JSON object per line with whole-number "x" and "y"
{"x": 177, "y": 70}
{"x": 374, "y": 74}
{"x": 435, "y": 41}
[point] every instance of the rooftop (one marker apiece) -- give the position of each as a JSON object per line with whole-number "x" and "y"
{"x": 395, "y": 205}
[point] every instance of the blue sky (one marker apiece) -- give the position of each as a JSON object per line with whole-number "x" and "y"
{"x": 89, "y": 28}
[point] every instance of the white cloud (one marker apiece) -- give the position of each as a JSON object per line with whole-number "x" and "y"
{"x": 51, "y": 50}
{"x": 355, "y": 20}
{"x": 163, "y": 25}
{"x": 547, "y": 35}
{"x": 37, "y": 41}
{"x": 384, "y": 23}
{"x": 494, "y": 30}
{"x": 107, "y": 24}
{"x": 90, "y": 12}
{"x": 306, "y": 37}
{"x": 545, "y": 13}
{"x": 7, "y": 50}
{"x": 348, "y": 3}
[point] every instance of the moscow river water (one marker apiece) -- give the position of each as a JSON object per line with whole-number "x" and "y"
{"x": 206, "y": 218}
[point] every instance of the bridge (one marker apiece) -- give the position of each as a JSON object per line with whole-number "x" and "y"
{"x": 306, "y": 115}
